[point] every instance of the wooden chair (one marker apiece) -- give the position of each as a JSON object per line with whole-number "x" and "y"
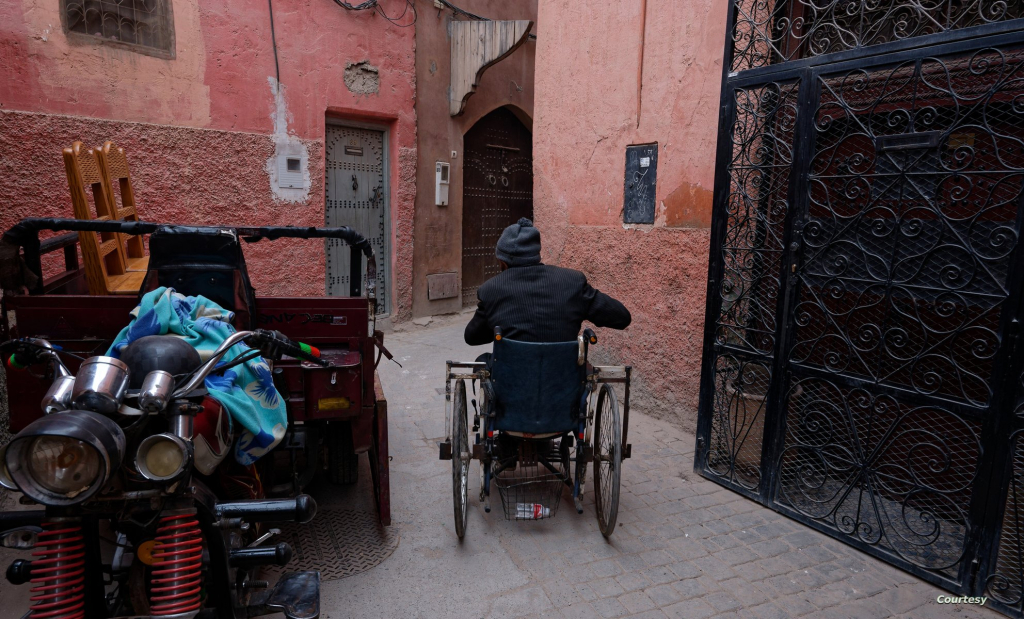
{"x": 114, "y": 169}
{"x": 104, "y": 257}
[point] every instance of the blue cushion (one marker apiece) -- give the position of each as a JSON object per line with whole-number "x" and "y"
{"x": 537, "y": 387}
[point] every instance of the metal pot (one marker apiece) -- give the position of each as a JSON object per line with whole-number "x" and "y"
{"x": 100, "y": 385}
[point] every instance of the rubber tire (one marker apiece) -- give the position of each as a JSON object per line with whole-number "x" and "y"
{"x": 460, "y": 468}
{"x": 484, "y": 411}
{"x": 342, "y": 461}
{"x": 607, "y": 488}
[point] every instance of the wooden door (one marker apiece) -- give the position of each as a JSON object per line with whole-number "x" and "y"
{"x": 357, "y": 197}
{"x": 497, "y": 189}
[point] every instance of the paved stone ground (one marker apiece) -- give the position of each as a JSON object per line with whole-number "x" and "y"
{"x": 684, "y": 546}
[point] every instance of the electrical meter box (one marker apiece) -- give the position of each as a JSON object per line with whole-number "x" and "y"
{"x": 441, "y": 184}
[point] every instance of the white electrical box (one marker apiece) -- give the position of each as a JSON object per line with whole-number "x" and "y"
{"x": 289, "y": 171}
{"x": 441, "y": 186}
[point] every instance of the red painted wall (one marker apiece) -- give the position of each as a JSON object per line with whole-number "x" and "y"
{"x": 199, "y": 129}
{"x": 591, "y": 102}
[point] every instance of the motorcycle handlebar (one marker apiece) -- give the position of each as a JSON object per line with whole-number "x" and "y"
{"x": 271, "y": 344}
{"x": 274, "y": 344}
{"x": 30, "y": 351}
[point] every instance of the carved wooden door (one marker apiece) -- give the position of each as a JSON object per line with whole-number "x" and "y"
{"x": 497, "y": 190}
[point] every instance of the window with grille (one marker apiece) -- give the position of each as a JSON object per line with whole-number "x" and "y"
{"x": 145, "y": 26}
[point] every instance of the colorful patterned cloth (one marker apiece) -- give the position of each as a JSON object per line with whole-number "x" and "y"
{"x": 246, "y": 391}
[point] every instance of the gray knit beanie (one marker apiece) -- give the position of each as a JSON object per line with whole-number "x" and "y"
{"x": 519, "y": 244}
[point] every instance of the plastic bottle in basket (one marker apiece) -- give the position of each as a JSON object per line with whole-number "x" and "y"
{"x": 531, "y": 511}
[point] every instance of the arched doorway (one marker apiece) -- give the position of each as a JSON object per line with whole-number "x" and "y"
{"x": 497, "y": 189}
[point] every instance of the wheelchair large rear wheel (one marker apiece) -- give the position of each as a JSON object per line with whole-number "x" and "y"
{"x": 460, "y": 458}
{"x": 607, "y": 459}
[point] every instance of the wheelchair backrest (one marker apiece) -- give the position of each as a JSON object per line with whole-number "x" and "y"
{"x": 537, "y": 387}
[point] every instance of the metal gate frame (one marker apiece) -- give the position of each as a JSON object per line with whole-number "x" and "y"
{"x": 1000, "y": 427}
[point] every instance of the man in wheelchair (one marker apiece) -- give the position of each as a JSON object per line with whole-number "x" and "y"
{"x": 535, "y": 428}
{"x": 535, "y": 302}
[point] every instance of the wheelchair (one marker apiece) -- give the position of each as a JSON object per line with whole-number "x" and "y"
{"x": 544, "y": 414}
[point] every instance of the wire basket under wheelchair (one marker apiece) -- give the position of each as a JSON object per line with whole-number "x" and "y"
{"x": 532, "y": 491}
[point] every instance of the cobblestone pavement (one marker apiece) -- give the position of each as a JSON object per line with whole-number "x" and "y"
{"x": 684, "y": 546}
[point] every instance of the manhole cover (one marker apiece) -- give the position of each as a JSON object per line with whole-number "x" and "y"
{"x": 339, "y": 543}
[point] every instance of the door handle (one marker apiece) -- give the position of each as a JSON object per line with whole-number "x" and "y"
{"x": 355, "y": 183}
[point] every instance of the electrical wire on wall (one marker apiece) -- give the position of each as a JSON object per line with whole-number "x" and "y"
{"x": 460, "y": 11}
{"x": 273, "y": 41}
{"x": 375, "y": 5}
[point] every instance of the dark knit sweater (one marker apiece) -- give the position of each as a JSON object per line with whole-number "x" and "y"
{"x": 541, "y": 303}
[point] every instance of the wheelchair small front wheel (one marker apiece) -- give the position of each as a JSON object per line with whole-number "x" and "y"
{"x": 460, "y": 458}
{"x": 607, "y": 459}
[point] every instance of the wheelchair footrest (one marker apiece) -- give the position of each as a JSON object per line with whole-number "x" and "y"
{"x": 445, "y": 449}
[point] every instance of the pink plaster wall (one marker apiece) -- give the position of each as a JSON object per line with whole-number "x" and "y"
{"x": 587, "y": 111}
{"x": 199, "y": 128}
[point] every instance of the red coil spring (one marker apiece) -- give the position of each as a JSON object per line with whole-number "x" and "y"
{"x": 177, "y": 566}
{"x": 58, "y": 572}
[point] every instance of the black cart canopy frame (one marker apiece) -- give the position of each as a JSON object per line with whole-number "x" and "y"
{"x": 25, "y": 234}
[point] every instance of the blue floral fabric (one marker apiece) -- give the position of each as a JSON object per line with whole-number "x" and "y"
{"x": 246, "y": 391}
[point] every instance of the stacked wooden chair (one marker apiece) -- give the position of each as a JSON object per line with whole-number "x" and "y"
{"x": 114, "y": 170}
{"x": 114, "y": 263}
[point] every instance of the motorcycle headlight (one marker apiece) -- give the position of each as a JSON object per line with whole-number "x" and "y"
{"x": 65, "y": 458}
{"x": 5, "y": 477}
{"x": 162, "y": 457}
{"x": 63, "y": 465}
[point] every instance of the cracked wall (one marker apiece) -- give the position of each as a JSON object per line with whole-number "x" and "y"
{"x": 362, "y": 78}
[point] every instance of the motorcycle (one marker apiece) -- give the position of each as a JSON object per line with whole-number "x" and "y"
{"x": 137, "y": 510}
{"x": 126, "y": 527}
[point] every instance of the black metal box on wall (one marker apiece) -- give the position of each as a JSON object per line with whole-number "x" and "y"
{"x": 641, "y": 182}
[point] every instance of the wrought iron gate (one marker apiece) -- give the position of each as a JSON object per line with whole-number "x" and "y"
{"x": 862, "y": 366}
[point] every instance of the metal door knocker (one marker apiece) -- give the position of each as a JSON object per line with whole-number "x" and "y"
{"x": 355, "y": 183}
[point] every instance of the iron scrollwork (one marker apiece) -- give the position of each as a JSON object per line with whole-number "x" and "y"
{"x": 1006, "y": 583}
{"x": 908, "y": 180}
{"x": 737, "y": 427}
{"x": 881, "y": 472}
{"x": 914, "y": 187}
{"x": 751, "y": 257}
{"x": 769, "y": 32}
{"x": 762, "y": 144}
